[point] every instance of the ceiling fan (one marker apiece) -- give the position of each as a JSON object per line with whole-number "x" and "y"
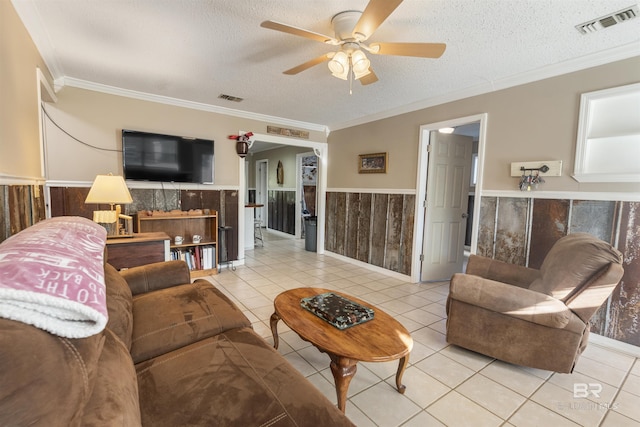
{"x": 352, "y": 29}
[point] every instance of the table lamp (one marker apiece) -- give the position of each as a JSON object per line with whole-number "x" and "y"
{"x": 110, "y": 189}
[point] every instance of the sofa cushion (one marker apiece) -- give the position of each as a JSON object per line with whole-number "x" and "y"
{"x": 571, "y": 262}
{"x": 232, "y": 379}
{"x": 171, "y": 318}
{"x": 119, "y": 305}
{"x": 114, "y": 401}
{"x": 45, "y": 379}
{"x": 155, "y": 276}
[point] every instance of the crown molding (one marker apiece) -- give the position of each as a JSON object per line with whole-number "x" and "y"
{"x": 620, "y": 53}
{"x": 31, "y": 19}
{"x": 143, "y": 96}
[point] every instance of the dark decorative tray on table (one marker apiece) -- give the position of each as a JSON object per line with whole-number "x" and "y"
{"x": 337, "y": 310}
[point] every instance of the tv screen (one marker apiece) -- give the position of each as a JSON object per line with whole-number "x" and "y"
{"x": 154, "y": 157}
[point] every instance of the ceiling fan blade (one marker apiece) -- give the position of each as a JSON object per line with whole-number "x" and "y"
{"x": 369, "y": 78}
{"x": 374, "y": 14}
{"x": 422, "y": 50}
{"x": 272, "y": 25}
{"x": 315, "y": 61}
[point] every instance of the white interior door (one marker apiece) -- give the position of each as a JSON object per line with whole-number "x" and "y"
{"x": 262, "y": 176}
{"x": 446, "y": 208}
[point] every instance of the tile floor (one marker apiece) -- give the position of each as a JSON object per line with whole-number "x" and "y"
{"x": 446, "y": 385}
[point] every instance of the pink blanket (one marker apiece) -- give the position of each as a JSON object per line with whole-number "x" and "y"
{"x": 52, "y": 277}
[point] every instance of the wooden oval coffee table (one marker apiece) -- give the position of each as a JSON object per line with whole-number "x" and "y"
{"x": 379, "y": 340}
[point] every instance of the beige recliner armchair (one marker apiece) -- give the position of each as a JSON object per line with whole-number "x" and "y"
{"x": 536, "y": 318}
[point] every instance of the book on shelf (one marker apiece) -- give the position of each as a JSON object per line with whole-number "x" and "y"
{"x": 197, "y": 258}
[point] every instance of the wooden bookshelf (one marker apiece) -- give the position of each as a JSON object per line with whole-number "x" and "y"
{"x": 187, "y": 225}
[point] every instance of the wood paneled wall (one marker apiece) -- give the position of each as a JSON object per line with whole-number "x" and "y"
{"x": 22, "y": 206}
{"x": 378, "y": 229}
{"x": 372, "y": 228}
{"x": 521, "y": 231}
{"x": 70, "y": 201}
{"x": 282, "y": 211}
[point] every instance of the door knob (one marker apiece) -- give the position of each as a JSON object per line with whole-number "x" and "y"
{"x": 465, "y": 215}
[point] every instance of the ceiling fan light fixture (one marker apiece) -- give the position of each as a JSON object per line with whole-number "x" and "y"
{"x": 359, "y": 74}
{"x": 339, "y": 64}
{"x": 359, "y": 62}
{"x": 352, "y": 28}
{"x": 342, "y": 76}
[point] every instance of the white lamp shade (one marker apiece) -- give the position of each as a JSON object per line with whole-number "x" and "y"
{"x": 342, "y": 76}
{"x": 109, "y": 189}
{"x": 360, "y": 63}
{"x": 359, "y": 74}
{"x": 339, "y": 65}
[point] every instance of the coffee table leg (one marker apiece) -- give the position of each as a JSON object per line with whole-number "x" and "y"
{"x": 274, "y": 329}
{"x": 343, "y": 370}
{"x": 401, "y": 367}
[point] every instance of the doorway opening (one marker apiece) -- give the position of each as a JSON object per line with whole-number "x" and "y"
{"x": 306, "y": 190}
{"x": 248, "y": 192}
{"x": 449, "y": 187}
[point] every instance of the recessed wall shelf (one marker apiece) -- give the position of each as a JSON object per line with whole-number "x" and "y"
{"x": 608, "y": 145}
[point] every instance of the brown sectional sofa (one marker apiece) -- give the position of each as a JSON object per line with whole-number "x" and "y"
{"x": 173, "y": 353}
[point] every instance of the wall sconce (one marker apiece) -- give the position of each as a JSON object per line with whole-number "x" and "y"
{"x": 242, "y": 143}
{"x": 111, "y": 189}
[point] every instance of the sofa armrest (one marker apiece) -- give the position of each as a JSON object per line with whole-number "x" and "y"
{"x": 510, "y": 300}
{"x": 159, "y": 275}
{"x": 500, "y": 271}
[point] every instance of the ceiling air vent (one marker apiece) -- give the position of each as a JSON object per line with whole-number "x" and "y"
{"x": 230, "y": 98}
{"x": 608, "y": 20}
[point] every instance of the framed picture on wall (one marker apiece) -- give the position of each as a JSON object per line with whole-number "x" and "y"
{"x": 372, "y": 163}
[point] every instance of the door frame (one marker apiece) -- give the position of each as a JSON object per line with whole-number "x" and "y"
{"x": 260, "y": 185}
{"x": 423, "y": 176}
{"x": 299, "y": 190}
{"x": 321, "y": 149}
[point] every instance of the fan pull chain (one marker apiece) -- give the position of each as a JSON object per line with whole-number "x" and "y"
{"x": 350, "y": 76}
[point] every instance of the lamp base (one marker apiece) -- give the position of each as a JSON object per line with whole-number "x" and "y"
{"x": 111, "y": 221}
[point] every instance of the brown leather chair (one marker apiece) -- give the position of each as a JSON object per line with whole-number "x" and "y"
{"x": 536, "y": 318}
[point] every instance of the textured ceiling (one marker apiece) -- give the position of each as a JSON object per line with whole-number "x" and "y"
{"x": 195, "y": 50}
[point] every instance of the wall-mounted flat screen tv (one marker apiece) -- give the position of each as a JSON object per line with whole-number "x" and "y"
{"x": 154, "y": 157}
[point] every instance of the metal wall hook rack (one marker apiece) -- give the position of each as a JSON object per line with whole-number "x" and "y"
{"x": 529, "y": 181}
{"x": 554, "y": 168}
{"x": 543, "y": 169}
